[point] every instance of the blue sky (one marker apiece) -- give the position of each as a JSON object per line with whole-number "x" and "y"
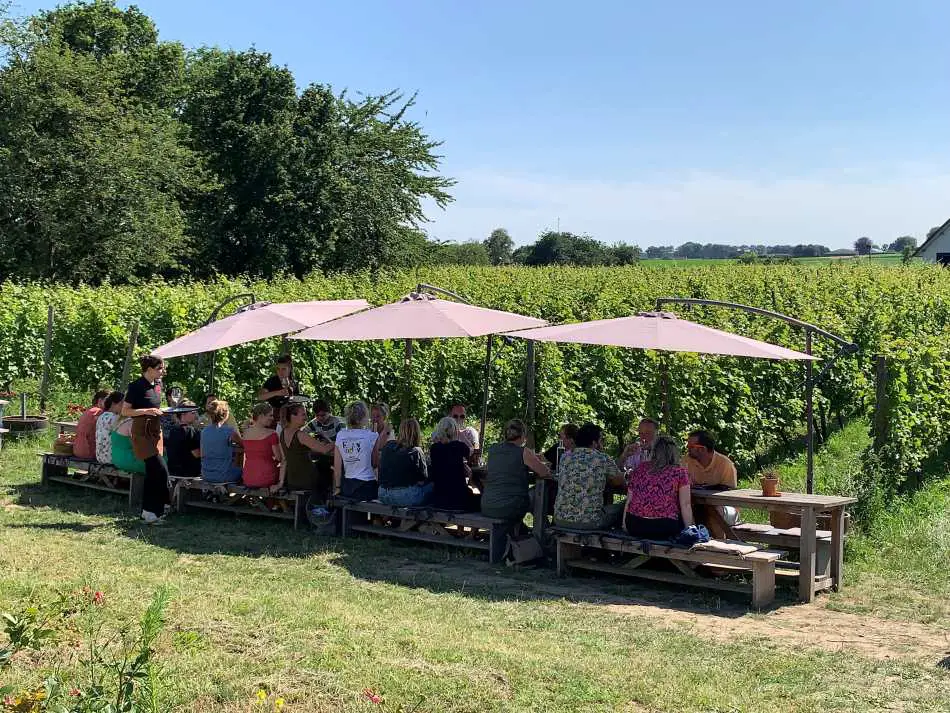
{"x": 645, "y": 122}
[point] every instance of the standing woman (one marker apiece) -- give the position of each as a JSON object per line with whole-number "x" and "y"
{"x": 143, "y": 400}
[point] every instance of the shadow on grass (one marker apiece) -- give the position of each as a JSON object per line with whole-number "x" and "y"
{"x": 437, "y": 569}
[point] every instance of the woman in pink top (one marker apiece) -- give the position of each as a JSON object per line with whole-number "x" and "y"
{"x": 262, "y": 450}
{"x": 658, "y": 498}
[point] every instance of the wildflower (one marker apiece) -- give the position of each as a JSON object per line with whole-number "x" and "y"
{"x": 372, "y": 696}
{"x": 261, "y": 695}
{"x": 9, "y": 701}
{"x": 279, "y": 704}
{"x": 74, "y": 692}
{"x": 98, "y": 598}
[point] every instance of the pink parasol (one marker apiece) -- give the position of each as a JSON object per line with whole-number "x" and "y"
{"x": 420, "y": 316}
{"x": 662, "y": 331}
{"x": 258, "y": 321}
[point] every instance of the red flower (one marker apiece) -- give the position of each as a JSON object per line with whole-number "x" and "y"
{"x": 74, "y": 692}
{"x": 98, "y": 598}
{"x": 9, "y": 701}
{"x": 372, "y": 696}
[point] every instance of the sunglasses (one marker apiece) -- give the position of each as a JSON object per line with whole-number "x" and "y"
{"x": 458, "y": 416}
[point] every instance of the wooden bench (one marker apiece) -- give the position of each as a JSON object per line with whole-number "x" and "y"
{"x": 240, "y": 500}
{"x": 790, "y": 539}
{"x": 425, "y": 524}
{"x": 95, "y": 476}
{"x": 761, "y": 563}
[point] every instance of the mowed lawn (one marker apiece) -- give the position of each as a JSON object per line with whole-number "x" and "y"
{"x": 318, "y": 620}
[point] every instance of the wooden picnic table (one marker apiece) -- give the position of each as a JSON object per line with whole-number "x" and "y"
{"x": 807, "y": 507}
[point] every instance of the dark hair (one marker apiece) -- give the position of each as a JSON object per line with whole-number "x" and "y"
{"x": 704, "y": 438}
{"x": 453, "y": 404}
{"x": 321, "y": 406}
{"x": 587, "y": 435}
{"x": 570, "y": 430}
{"x": 150, "y": 361}
{"x": 209, "y": 395}
{"x": 656, "y": 424}
{"x": 289, "y": 410}
{"x": 514, "y": 429}
{"x": 284, "y": 359}
{"x": 99, "y": 395}
{"x": 112, "y": 399}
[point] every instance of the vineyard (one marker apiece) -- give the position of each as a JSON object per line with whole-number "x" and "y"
{"x": 756, "y": 407}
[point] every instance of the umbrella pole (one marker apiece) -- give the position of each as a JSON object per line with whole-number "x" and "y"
{"x": 407, "y": 366}
{"x": 809, "y": 417}
{"x": 481, "y": 428}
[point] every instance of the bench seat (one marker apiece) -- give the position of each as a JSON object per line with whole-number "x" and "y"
{"x": 790, "y": 539}
{"x": 761, "y": 563}
{"x": 190, "y": 493}
{"x": 357, "y": 516}
{"x": 90, "y": 474}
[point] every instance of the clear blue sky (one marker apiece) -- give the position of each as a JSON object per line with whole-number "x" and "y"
{"x": 647, "y": 122}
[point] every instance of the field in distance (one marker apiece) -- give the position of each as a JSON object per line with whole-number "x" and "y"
{"x": 885, "y": 259}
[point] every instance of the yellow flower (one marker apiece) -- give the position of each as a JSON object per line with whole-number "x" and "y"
{"x": 279, "y": 704}
{"x": 261, "y": 695}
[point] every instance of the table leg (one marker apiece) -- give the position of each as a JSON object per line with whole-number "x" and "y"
{"x": 806, "y": 578}
{"x": 540, "y": 508}
{"x": 837, "y": 547}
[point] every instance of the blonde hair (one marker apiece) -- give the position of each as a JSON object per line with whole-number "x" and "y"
{"x": 410, "y": 435}
{"x": 357, "y": 415}
{"x": 446, "y": 430}
{"x": 383, "y": 409}
{"x": 665, "y": 453}
{"x": 261, "y": 409}
{"x": 219, "y": 411}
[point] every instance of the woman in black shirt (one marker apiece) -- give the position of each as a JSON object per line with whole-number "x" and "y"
{"x": 143, "y": 400}
{"x": 449, "y": 470}
{"x": 402, "y": 469}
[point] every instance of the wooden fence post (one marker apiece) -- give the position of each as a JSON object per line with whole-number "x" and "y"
{"x": 881, "y": 402}
{"x": 129, "y": 354}
{"x": 47, "y": 353}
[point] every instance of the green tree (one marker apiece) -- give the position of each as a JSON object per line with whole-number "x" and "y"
{"x": 905, "y": 241}
{"x": 470, "y": 252}
{"x": 92, "y": 169}
{"x": 499, "y": 245}
{"x": 624, "y": 254}
{"x": 863, "y": 246}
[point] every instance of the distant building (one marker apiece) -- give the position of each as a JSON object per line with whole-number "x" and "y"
{"x": 937, "y": 247}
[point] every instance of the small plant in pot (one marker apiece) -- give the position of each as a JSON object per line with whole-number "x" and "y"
{"x": 769, "y": 481}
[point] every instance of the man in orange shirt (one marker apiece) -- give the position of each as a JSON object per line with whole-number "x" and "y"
{"x": 709, "y": 468}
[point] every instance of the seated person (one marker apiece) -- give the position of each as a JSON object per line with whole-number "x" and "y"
{"x": 84, "y": 445}
{"x": 217, "y": 446}
{"x": 281, "y": 386}
{"x": 111, "y": 408}
{"x": 403, "y": 474}
{"x": 261, "y": 450}
{"x": 467, "y": 434}
{"x": 658, "y": 498}
{"x": 325, "y": 425}
{"x": 642, "y": 448}
{"x": 564, "y": 443}
{"x": 123, "y": 457}
{"x": 183, "y": 445}
{"x": 506, "y": 495}
{"x": 297, "y": 469}
{"x": 584, "y": 478}
{"x": 707, "y": 467}
{"x": 168, "y": 420}
{"x": 710, "y": 469}
{"x": 206, "y": 418}
{"x": 449, "y": 470}
{"x": 379, "y": 421}
{"x": 356, "y": 456}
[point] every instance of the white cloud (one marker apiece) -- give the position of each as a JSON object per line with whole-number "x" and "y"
{"x": 833, "y": 211}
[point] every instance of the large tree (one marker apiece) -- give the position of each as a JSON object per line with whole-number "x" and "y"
{"x": 863, "y": 246}
{"x": 902, "y": 242}
{"x": 499, "y": 245}
{"x": 92, "y": 170}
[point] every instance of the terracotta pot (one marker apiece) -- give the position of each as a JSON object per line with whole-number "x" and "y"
{"x": 769, "y": 487}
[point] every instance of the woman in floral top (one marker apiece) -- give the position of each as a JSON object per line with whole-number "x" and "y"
{"x": 658, "y": 497}
{"x": 104, "y": 424}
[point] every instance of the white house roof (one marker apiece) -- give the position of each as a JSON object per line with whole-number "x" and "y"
{"x": 934, "y": 236}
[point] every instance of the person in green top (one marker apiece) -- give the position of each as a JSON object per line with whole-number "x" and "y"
{"x": 506, "y": 494}
{"x": 122, "y": 456}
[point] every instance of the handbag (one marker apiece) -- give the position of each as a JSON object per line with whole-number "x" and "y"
{"x": 523, "y": 550}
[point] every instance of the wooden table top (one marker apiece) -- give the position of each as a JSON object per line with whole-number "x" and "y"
{"x": 754, "y": 498}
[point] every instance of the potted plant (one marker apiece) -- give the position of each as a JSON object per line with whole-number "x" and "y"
{"x": 769, "y": 481}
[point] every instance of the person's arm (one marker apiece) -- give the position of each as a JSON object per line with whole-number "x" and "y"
{"x": 535, "y": 464}
{"x": 281, "y": 475}
{"x": 266, "y": 392}
{"x": 337, "y": 470}
{"x": 628, "y": 451}
{"x": 130, "y": 412}
{"x": 686, "y": 505}
{"x": 236, "y": 438}
{"x": 315, "y": 444}
{"x": 377, "y": 447}
{"x": 614, "y": 476}
{"x": 732, "y": 478}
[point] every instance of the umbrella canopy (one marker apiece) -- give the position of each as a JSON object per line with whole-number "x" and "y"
{"x": 258, "y": 321}
{"x": 663, "y": 331}
{"x": 419, "y": 316}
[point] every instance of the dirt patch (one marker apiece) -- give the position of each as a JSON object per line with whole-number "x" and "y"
{"x": 707, "y": 615}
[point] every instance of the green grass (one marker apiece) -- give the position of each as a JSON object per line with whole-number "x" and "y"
{"x": 318, "y": 620}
